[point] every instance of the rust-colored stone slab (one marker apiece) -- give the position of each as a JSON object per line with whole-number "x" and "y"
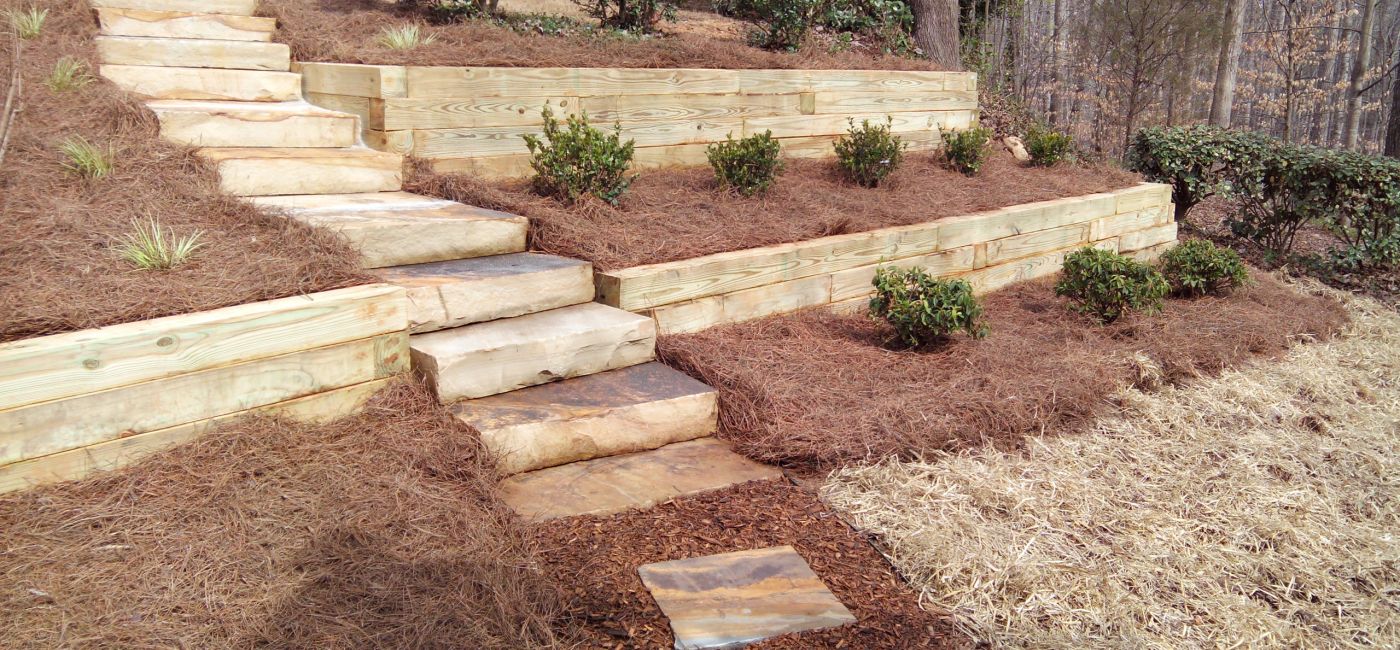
{"x": 638, "y": 480}
{"x": 734, "y": 599}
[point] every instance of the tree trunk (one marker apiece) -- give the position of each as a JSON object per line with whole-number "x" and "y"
{"x": 936, "y": 31}
{"x": 1392, "y": 133}
{"x": 1358, "y": 74}
{"x": 1228, "y": 65}
{"x": 1057, "y": 56}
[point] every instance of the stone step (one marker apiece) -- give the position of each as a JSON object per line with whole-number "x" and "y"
{"x": 230, "y": 7}
{"x": 205, "y": 83}
{"x": 273, "y": 171}
{"x": 394, "y": 228}
{"x": 461, "y": 292}
{"x": 193, "y": 53}
{"x": 640, "y": 480}
{"x": 182, "y": 24}
{"x": 509, "y": 354}
{"x": 616, "y": 412}
{"x": 240, "y": 124}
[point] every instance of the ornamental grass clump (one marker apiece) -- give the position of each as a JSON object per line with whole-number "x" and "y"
{"x": 150, "y": 247}
{"x": 577, "y": 159}
{"x": 966, "y": 150}
{"x": 925, "y": 310}
{"x": 1198, "y": 267}
{"x": 748, "y": 165}
{"x": 1106, "y": 285}
{"x": 86, "y": 159}
{"x": 869, "y": 152}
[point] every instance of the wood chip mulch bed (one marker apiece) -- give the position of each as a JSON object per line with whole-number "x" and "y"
{"x": 595, "y": 559}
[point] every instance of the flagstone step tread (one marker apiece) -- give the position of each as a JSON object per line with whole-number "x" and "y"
{"x": 465, "y": 291}
{"x": 193, "y": 53}
{"x": 271, "y": 171}
{"x": 734, "y": 599}
{"x": 512, "y": 353}
{"x": 199, "y": 123}
{"x": 641, "y": 407}
{"x": 398, "y": 228}
{"x": 639, "y": 480}
{"x": 204, "y": 83}
{"x": 230, "y": 7}
{"x": 184, "y": 24}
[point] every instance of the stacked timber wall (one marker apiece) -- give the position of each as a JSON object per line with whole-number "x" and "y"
{"x": 989, "y": 249}
{"x": 472, "y": 119}
{"x": 97, "y": 399}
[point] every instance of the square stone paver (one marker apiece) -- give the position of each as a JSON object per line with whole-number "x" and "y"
{"x": 734, "y": 599}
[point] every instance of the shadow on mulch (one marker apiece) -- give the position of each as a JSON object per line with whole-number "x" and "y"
{"x": 814, "y": 390}
{"x": 595, "y": 558}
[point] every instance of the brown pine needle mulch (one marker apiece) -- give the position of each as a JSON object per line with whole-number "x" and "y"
{"x": 677, "y": 214}
{"x": 380, "y": 530}
{"x": 816, "y": 390}
{"x": 1258, "y": 509}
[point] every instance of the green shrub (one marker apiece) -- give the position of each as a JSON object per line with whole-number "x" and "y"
{"x": 629, "y": 15}
{"x": 748, "y": 165}
{"x": 578, "y": 159}
{"x": 1106, "y": 285}
{"x": 781, "y": 24}
{"x": 1363, "y": 193}
{"x": 966, "y": 150}
{"x": 923, "y": 309}
{"x": 868, "y": 153}
{"x": 449, "y": 11}
{"x": 1048, "y": 147}
{"x": 1191, "y": 159}
{"x": 1198, "y": 267}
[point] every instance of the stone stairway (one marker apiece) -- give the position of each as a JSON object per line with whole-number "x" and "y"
{"x": 565, "y": 391}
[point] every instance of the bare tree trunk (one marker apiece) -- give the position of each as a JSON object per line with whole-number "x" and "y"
{"x": 1392, "y": 133}
{"x": 936, "y": 31}
{"x": 1057, "y": 56}
{"x": 1228, "y": 65}
{"x": 1358, "y": 74}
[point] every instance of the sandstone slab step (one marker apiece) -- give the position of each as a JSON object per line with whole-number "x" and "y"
{"x": 193, "y": 53}
{"x": 183, "y": 24}
{"x": 204, "y": 83}
{"x": 394, "y": 228}
{"x": 274, "y": 171}
{"x": 617, "y": 483}
{"x": 238, "y": 124}
{"x": 231, "y": 7}
{"x": 513, "y": 353}
{"x": 615, "y": 412}
{"x": 460, "y": 292}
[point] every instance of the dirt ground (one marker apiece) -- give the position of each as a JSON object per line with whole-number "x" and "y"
{"x": 677, "y": 214}
{"x": 58, "y": 270}
{"x": 347, "y": 31}
{"x": 815, "y": 390}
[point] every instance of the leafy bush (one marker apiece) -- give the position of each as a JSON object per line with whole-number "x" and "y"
{"x": 782, "y": 24}
{"x": 1047, "y": 146}
{"x": 748, "y": 165}
{"x": 632, "y": 16}
{"x": 923, "y": 309}
{"x": 1191, "y": 159}
{"x": 579, "y": 159}
{"x": 868, "y": 153}
{"x": 447, "y": 11}
{"x": 1363, "y": 193}
{"x": 1106, "y": 285}
{"x": 966, "y": 150}
{"x": 1198, "y": 267}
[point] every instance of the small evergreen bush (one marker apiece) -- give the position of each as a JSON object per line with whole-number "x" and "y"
{"x": 637, "y": 16}
{"x": 781, "y": 24}
{"x": 966, "y": 150}
{"x": 1047, "y": 147}
{"x": 868, "y": 153}
{"x": 1106, "y": 285}
{"x": 748, "y": 165}
{"x": 923, "y": 309}
{"x": 1198, "y": 267}
{"x": 578, "y": 159}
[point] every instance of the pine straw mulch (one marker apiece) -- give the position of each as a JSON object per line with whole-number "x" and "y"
{"x": 815, "y": 390}
{"x": 677, "y": 214}
{"x": 348, "y": 31}
{"x": 596, "y": 558}
{"x": 1257, "y": 509}
{"x": 379, "y": 530}
{"x": 58, "y": 271}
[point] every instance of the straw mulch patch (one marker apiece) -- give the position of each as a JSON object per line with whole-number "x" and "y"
{"x": 58, "y": 269}
{"x": 1257, "y": 509}
{"x": 596, "y": 559}
{"x": 678, "y": 214}
{"x": 817, "y": 389}
{"x": 380, "y": 530}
